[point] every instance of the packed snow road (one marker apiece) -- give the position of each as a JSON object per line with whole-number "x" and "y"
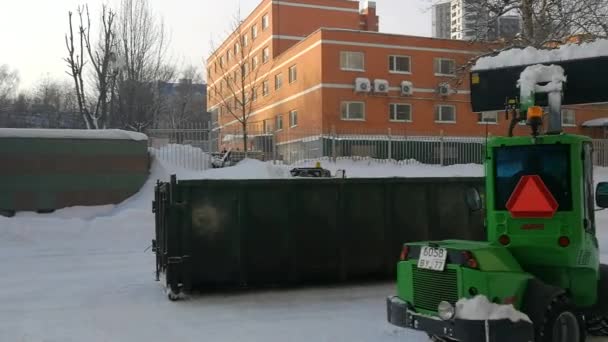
{"x": 83, "y": 274}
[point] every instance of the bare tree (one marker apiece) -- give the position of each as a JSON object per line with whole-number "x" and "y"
{"x": 237, "y": 80}
{"x": 100, "y": 56}
{"x": 543, "y": 21}
{"x": 9, "y": 81}
{"x": 142, "y": 54}
{"x": 182, "y": 102}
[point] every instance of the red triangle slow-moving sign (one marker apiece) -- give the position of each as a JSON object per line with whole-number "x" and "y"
{"x": 531, "y": 199}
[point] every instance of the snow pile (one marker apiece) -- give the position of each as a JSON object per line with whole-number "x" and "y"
{"x": 554, "y": 74}
{"x": 480, "y": 308}
{"x": 361, "y": 168}
{"x": 108, "y": 134}
{"x": 182, "y": 157}
{"x": 532, "y": 55}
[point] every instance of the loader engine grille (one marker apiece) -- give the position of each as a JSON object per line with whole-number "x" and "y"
{"x": 432, "y": 287}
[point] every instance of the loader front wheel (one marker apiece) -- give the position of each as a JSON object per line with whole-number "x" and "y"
{"x": 597, "y": 326}
{"x": 561, "y": 323}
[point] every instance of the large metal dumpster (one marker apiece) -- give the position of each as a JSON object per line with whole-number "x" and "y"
{"x": 231, "y": 233}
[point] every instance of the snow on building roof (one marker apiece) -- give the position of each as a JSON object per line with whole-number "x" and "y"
{"x": 601, "y": 122}
{"x": 109, "y": 134}
{"x": 530, "y": 55}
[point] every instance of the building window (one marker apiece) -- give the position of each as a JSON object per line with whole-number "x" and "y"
{"x": 488, "y": 117}
{"x": 293, "y": 74}
{"x": 568, "y": 117}
{"x": 265, "y": 22}
{"x": 221, "y": 61}
{"x": 237, "y": 48}
{"x": 401, "y": 112}
{"x": 279, "y": 122}
{"x": 245, "y": 69}
{"x": 266, "y": 126}
{"x": 399, "y": 64}
{"x": 228, "y": 56}
{"x": 245, "y": 41}
{"x": 293, "y": 118}
{"x": 353, "y": 111}
{"x": 353, "y": 61}
{"x": 265, "y": 55}
{"x": 254, "y": 94}
{"x": 254, "y": 32}
{"x": 445, "y": 113}
{"x": 445, "y": 66}
{"x": 265, "y": 89}
{"x": 254, "y": 63}
{"x": 278, "y": 81}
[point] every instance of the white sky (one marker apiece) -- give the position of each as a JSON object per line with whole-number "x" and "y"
{"x": 32, "y": 31}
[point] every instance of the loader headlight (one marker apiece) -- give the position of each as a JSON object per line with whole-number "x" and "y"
{"x": 446, "y": 311}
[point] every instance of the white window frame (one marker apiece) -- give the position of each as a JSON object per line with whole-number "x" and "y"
{"x": 293, "y": 74}
{"x": 265, "y": 21}
{"x": 245, "y": 40}
{"x": 265, "y": 55}
{"x": 291, "y": 118}
{"x": 437, "y": 66}
{"x": 347, "y": 104}
{"x": 571, "y": 111}
{"x": 440, "y": 119}
{"x": 237, "y": 49}
{"x": 346, "y": 56}
{"x": 265, "y": 88}
{"x": 279, "y": 122}
{"x": 255, "y": 63}
{"x": 480, "y": 119}
{"x": 394, "y": 59}
{"x": 254, "y": 31}
{"x": 278, "y": 81}
{"x": 394, "y": 118}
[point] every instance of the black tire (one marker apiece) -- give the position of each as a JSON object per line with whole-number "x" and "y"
{"x": 597, "y": 326}
{"x": 561, "y": 323}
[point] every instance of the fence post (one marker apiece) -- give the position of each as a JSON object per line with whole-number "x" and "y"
{"x": 275, "y": 146}
{"x": 441, "y": 148}
{"x": 333, "y": 143}
{"x": 390, "y": 145}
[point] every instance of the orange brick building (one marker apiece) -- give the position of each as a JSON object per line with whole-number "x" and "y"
{"x": 322, "y": 65}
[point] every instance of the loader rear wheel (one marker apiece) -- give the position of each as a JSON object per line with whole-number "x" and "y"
{"x": 561, "y": 323}
{"x": 597, "y": 326}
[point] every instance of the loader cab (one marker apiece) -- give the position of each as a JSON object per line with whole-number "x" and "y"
{"x": 540, "y": 205}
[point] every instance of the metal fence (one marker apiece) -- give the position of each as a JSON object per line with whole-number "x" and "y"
{"x": 191, "y": 147}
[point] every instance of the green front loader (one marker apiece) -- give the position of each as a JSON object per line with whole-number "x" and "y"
{"x": 541, "y": 255}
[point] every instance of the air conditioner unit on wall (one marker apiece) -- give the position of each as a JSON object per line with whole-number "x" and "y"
{"x": 381, "y": 86}
{"x": 443, "y": 89}
{"x": 362, "y": 85}
{"x": 407, "y": 88}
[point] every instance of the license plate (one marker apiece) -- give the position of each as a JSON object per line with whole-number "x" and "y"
{"x": 432, "y": 258}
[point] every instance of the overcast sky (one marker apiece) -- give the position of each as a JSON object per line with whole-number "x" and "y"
{"x": 32, "y": 31}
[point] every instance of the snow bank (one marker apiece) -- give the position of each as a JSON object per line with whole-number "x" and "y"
{"x": 480, "y": 308}
{"x": 182, "y": 157}
{"x": 361, "y": 168}
{"x": 110, "y": 134}
{"x": 532, "y": 55}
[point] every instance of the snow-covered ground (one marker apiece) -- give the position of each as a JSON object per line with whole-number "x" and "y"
{"x": 83, "y": 274}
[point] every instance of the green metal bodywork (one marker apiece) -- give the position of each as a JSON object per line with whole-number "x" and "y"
{"x": 504, "y": 271}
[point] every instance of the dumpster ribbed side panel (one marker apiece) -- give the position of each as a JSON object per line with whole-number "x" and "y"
{"x": 232, "y": 233}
